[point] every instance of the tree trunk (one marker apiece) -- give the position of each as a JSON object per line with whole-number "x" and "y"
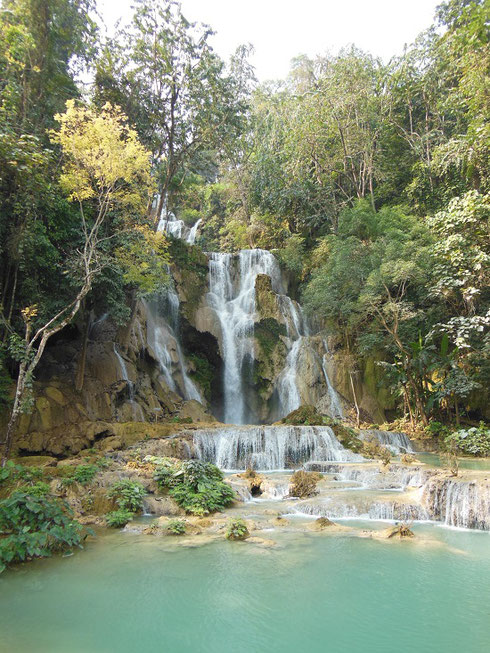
{"x": 418, "y": 401}
{"x": 14, "y": 415}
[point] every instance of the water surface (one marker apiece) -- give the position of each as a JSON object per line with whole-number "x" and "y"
{"x": 312, "y": 593}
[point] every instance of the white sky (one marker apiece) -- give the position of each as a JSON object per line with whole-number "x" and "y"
{"x": 281, "y": 29}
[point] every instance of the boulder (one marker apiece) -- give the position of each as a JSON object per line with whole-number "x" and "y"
{"x": 162, "y": 507}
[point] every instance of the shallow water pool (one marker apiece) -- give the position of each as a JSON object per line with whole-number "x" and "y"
{"x": 312, "y": 593}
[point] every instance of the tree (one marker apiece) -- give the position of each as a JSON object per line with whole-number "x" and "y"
{"x": 43, "y": 45}
{"x": 174, "y": 88}
{"x": 105, "y": 168}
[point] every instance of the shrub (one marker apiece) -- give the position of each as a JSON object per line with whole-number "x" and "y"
{"x": 400, "y": 530}
{"x": 436, "y": 429}
{"x": 7, "y": 472}
{"x": 119, "y": 518}
{"x": 474, "y": 441}
{"x": 237, "y": 530}
{"x": 408, "y": 458}
{"x": 304, "y": 415}
{"x": 128, "y": 494}
{"x": 196, "y": 486}
{"x": 12, "y": 473}
{"x": 33, "y": 524}
{"x": 303, "y": 484}
{"x": 176, "y": 526}
{"x": 374, "y": 450}
{"x": 83, "y": 474}
{"x": 39, "y": 489}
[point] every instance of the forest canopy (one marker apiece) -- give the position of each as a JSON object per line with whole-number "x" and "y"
{"x": 369, "y": 180}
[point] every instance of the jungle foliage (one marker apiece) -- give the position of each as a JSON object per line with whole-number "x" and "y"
{"x": 369, "y": 180}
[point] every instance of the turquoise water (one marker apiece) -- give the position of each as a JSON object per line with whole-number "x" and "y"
{"x": 434, "y": 460}
{"x": 313, "y": 593}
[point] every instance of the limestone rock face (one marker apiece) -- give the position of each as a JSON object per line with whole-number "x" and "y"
{"x": 195, "y": 411}
{"x": 266, "y": 300}
{"x": 162, "y": 507}
{"x": 310, "y": 379}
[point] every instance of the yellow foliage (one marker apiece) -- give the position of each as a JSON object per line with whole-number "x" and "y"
{"x": 29, "y": 313}
{"x": 144, "y": 259}
{"x": 103, "y": 158}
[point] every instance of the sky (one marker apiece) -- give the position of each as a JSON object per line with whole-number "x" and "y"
{"x": 281, "y": 29}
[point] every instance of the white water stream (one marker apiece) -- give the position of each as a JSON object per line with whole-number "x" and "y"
{"x": 162, "y": 334}
{"x": 137, "y": 411}
{"x": 269, "y": 447}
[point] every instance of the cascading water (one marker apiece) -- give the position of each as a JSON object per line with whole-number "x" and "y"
{"x": 395, "y": 477}
{"x": 396, "y": 442}
{"x": 269, "y": 447}
{"x": 335, "y": 404}
{"x": 458, "y": 503}
{"x": 169, "y": 223}
{"x": 232, "y": 296}
{"x": 287, "y": 387}
{"x": 162, "y": 330}
{"x": 297, "y": 329}
{"x": 137, "y": 411}
{"x": 191, "y": 238}
{"x": 360, "y": 507}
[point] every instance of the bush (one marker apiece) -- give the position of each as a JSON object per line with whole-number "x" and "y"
{"x": 305, "y": 415}
{"x": 237, "y": 530}
{"x": 303, "y": 484}
{"x": 176, "y": 526}
{"x": 12, "y": 473}
{"x": 119, "y": 518}
{"x": 196, "y": 486}
{"x": 408, "y": 458}
{"x": 83, "y": 474}
{"x": 436, "y": 429}
{"x": 128, "y": 494}
{"x": 474, "y": 441}
{"x": 374, "y": 450}
{"x": 33, "y": 525}
{"x": 38, "y": 489}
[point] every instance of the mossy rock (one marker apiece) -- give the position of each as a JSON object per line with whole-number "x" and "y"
{"x": 203, "y": 373}
{"x": 304, "y": 416}
{"x": 267, "y": 333}
{"x": 309, "y": 416}
{"x": 347, "y": 437}
{"x": 400, "y": 531}
{"x": 191, "y": 274}
{"x": 322, "y": 523}
{"x": 265, "y": 298}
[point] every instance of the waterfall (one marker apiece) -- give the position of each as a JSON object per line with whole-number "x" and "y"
{"x": 169, "y": 223}
{"x": 360, "y": 507}
{"x": 136, "y": 409}
{"x": 162, "y": 335}
{"x": 297, "y": 330}
{"x": 232, "y": 296}
{"x": 287, "y": 388}
{"x": 396, "y": 477}
{"x": 396, "y": 442}
{"x": 191, "y": 238}
{"x": 462, "y": 504}
{"x": 269, "y": 447}
{"x": 335, "y": 404}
